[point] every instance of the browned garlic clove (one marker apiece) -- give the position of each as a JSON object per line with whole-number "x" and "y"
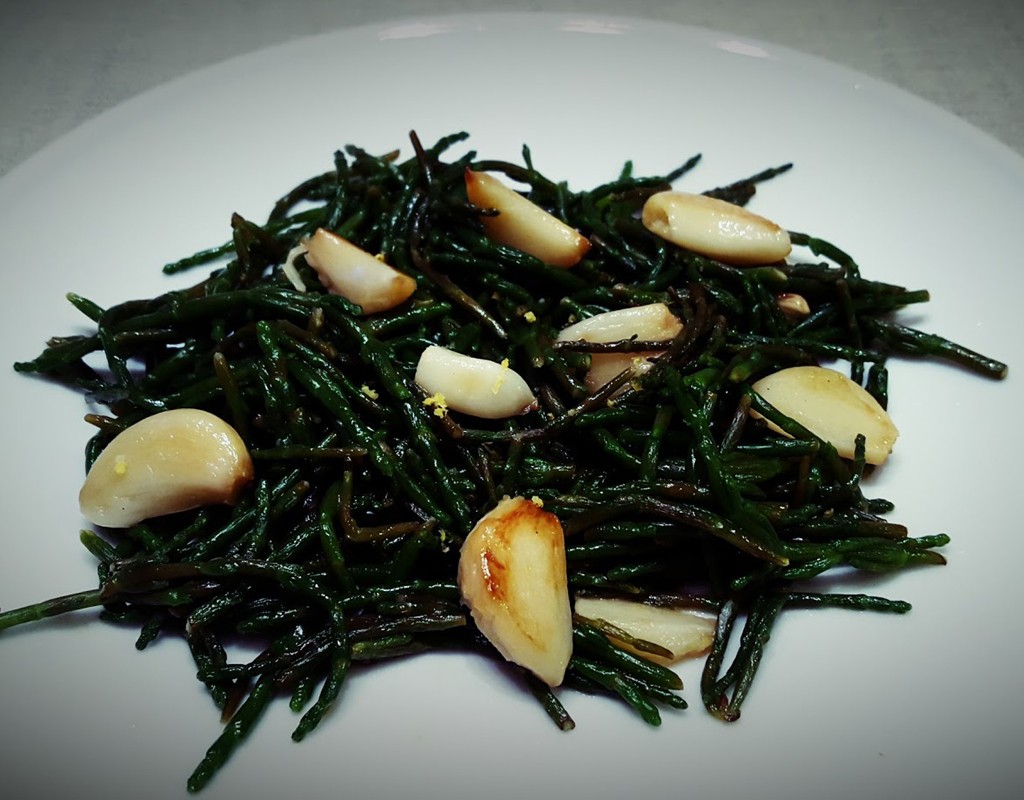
{"x": 512, "y": 576}
{"x": 832, "y": 407}
{"x": 523, "y": 224}
{"x": 715, "y": 228}
{"x": 474, "y": 386}
{"x": 683, "y": 632}
{"x": 356, "y": 275}
{"x": 169, "y": 462}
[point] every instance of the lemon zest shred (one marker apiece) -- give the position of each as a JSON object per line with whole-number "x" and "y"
{"x": 501, "y": 377}
{"x": 439, "y": 404}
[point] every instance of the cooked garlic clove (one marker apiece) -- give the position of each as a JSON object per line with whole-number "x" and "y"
{"x": 472, "y": 385}
{"x": 523, "y": 224}
{"x": 683, "y": 632}
{"x": 794, "y": 306}
{"x": 169, "y": 462}
{"x": 356, "y": 275}
{"x": 649, "y": 323}
{"x": 512, "y": 576}
{"x": 832, "y": 407}
{"x": 715, "y": 228}
{"x": 605, "y": 367}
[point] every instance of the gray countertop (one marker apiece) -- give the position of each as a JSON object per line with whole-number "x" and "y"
{"x": 62, "y": 63}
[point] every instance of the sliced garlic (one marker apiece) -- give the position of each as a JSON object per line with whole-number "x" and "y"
{"x": 356, "y": 275}
{"x": 832, "y": 407}
{"x": 474, "y": 386}
{"x": 650, "y": 323}
{"x": 522, "y": 224}
{"x": 683, "y": 632}
{"x": 169, "y": 462}
{"x": 291, "y": 272}
{"x": 715, "y": 228}
{"x": 512, "y": 576}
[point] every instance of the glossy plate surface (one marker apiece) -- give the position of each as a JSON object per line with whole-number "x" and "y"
{"x": 846, "y": 705}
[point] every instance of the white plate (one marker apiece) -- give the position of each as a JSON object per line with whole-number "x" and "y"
{"x": 846, "y": 705}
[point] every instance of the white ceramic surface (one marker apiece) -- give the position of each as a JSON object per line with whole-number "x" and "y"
{"x": 846, "y": 705}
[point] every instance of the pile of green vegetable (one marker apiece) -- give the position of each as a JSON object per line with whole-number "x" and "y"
{"x": 343, "y": 549}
